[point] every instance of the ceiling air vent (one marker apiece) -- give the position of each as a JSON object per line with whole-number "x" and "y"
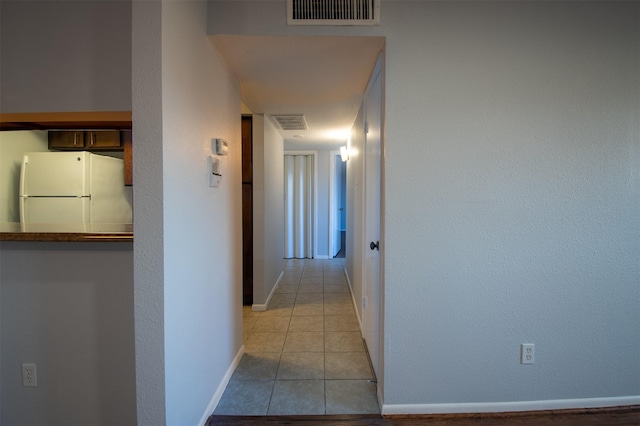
{"x": 291, "y": 121}
{"x": 333, "y": 12}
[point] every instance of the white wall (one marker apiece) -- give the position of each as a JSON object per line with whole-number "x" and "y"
{"x": 12, "y": 146}
{"x": 268, "y": 208}
{"x": 68, "y": 308}
{"x": 512, "y": 205}
{"x": 65, "y": 56}
{"x": 199, "y": 328}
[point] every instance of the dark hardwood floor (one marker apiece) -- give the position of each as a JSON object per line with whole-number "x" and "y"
{"x": 616, "y": 416}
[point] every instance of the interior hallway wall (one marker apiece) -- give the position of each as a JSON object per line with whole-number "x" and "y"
{"x": 268, "y": 209}
{"x": 188, "y": 280}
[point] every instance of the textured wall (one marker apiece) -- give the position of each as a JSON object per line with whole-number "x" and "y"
{"x": 148, "y": 214}
{"x": 202, "y": 225}
{"x": 512, "y": 208}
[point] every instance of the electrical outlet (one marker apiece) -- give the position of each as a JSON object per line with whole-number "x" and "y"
{"x": 527, "y": 353}
{"x": 29, "y": 377}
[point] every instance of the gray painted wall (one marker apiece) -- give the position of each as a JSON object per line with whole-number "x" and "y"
{"x": 68, "y": 308}
{"x": 512, "y": 210}
{"x": 65, "y": 56}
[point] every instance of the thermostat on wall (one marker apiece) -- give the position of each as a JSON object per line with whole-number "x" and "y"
{"x": 222, "y": 147}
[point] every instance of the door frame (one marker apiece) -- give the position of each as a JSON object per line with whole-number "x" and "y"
{"x": 334, "y": 194}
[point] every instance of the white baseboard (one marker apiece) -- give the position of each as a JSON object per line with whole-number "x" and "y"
{"x": 353, "y": 300}
{"x": 215, "y": 399}
{"x": 322, "y": 257}
{"x": 503, "y": 407}
{"x": 265, "y": 306}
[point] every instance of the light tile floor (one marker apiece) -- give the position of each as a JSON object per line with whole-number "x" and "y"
{"x": 305, "y": 354}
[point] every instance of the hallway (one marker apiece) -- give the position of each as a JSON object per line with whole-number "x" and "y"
{"x": 305, "y": 354}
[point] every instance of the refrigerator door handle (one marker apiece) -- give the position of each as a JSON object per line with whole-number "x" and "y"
{"x": 23, "y": 170}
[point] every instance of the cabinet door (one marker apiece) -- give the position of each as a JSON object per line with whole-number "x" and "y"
{"x": 102, "y": 139}
{"x": 66, "y": 139}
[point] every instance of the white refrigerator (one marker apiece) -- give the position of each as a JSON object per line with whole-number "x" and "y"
{"x": 73, "y": 187}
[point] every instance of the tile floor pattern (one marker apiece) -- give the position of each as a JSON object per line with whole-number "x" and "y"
{"x": 305, "y": 354}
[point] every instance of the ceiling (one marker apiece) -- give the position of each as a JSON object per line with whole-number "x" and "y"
{"x": 321, "y": 77}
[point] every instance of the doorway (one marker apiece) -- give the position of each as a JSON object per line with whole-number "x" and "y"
{"x": 247, "y": 210}
{"x": 337, "y": 205}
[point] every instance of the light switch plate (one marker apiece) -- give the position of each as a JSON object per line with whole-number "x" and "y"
{"x": 214, "y": 172}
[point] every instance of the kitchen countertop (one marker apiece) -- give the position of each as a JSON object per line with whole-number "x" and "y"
{"x": 15, "y": 231}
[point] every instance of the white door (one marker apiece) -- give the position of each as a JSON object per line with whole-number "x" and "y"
{"x": 299, "y": 208}
{"x": 371, "y": 308}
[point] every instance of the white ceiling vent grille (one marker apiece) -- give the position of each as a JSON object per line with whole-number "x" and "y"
{"x": 333, "y": 12}
{"x": 291, "y": 121}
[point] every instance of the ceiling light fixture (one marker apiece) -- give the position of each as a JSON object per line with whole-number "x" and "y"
{"x": 344, "y": 153}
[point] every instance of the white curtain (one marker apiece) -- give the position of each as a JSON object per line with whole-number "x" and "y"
{"x": 298, "y": 209}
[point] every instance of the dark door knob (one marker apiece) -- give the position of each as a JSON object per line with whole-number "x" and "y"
{"x": 375, "y": 246}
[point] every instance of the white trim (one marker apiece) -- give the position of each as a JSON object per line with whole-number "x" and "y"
{"x": 215, "y": 399}
{"x": 265, "y": 306}
{"x": 315, "y": 193}
{"x": 353, "y": 300}
{"x": 503, "y": 407}
{"x": 322, "y": 257}
{"x": 332, "y": 198}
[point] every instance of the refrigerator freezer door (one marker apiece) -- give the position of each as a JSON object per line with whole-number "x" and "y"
{"x": 55, "y": 174}
{"x": 54, "y": 210}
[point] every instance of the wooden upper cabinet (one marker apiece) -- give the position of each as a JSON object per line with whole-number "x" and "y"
{"x": 66, "y": 140}
{"x": 106, "y": 139}
{"x": 85, "y": 140}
